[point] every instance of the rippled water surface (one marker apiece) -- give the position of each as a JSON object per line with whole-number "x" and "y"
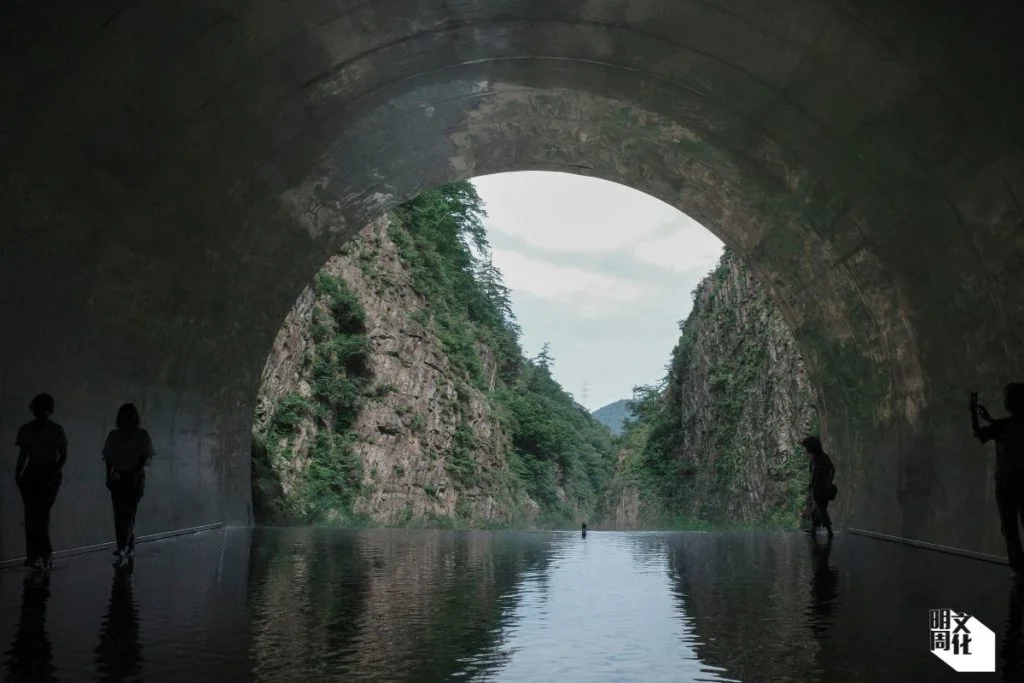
{"x": 336, "y": 605}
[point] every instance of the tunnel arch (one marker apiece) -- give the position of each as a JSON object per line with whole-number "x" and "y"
{"x": 173, "y": 176}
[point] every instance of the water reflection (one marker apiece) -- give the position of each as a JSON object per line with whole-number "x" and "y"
{"x": 119, "y": 655}
{"x": 747, "y": 597}
{"x": 824, "y": 588}
{"x": 30, "y": 657}
{"x": 334, "y": 605}
{"x": 606, "y": 613}
{"x": 1011, "y": 650}
{"x": 385, "y": 605}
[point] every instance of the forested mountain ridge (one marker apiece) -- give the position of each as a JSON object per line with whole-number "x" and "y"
{"x": 613, "y": 415}
{"x": 397, "y": 391}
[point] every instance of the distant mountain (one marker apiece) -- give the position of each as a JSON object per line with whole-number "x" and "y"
{"x": 613, "y": 415}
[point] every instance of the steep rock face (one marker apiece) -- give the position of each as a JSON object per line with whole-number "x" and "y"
{"x": 628, "y": 510}
{"x": 734, "y": 408}
{"x": 746, "y": 401}
{"x": 415, "y": 410}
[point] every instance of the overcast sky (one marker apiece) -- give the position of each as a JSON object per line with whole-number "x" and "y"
{"x": 601, "y": 271}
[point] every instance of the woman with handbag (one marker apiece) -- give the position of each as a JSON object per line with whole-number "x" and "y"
{"x": 820, "y": 486}
{"x": 126, "y": 453}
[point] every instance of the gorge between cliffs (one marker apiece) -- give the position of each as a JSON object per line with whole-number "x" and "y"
{"x": 397, "y": 394}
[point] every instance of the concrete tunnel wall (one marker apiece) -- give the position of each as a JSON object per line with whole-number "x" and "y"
{"x": 172, "y": 174}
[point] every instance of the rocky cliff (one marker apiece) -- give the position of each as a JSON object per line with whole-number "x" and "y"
{"x": 406, "y": 432}
{"x": 396, "y": 392}
{"x": 718, "y": 440}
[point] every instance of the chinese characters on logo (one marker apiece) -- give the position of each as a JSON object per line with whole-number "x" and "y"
{"x": 961, "y": 641}
{"x": 943, "y": 638}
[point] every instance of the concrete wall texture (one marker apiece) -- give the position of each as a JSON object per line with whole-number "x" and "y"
{"x": 172, "y": 174}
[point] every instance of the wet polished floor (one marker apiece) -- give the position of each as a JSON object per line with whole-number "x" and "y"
{"x": 336, "y": 605}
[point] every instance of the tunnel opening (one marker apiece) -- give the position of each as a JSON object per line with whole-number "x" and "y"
{"x": 162, "y": 217}
{"x": 448, "y": 408}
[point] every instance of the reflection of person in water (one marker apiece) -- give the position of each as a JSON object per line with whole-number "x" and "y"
{"x": 31, "y": 657}
{"x": 118, "y": 656}
{"x": 1012, "y": 647}
{"x": 824, "y": 586}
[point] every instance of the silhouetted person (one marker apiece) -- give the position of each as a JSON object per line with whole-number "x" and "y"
{"x": 820, "y": 487}
{"x": 31, "y": 656}
{"x": 43, "y": 450}
{"x": 127, "y": 451}
{"x": 1008, "y": 433}
{"x": 118, "y": 655}
{"x": 584, "y": 529}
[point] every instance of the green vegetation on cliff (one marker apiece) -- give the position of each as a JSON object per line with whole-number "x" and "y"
{"x": 338, "y": 380}
{"x": 562, "y": 456}
{"x": 539, "y": 456}
{"x": 398, "y": 393}
{"x": 717, "y": 440}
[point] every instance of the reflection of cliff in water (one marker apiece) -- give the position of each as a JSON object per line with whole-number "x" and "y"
{"x": 784, "y": 607}
{"x": 749, "y": 600}
{"x": 391, "y": 604}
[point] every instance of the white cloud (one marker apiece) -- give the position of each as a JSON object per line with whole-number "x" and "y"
{"x": 599, "y": 270}
{"x": 587, "y": 293}
{"x": 691, "y": 247}
{"x": 571, "y": 214}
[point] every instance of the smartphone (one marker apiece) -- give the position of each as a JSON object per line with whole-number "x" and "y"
{"x": 974, "y": 399}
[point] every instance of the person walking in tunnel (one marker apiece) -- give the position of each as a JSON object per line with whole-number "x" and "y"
{"x": 43, "y": 450}
{"x": 820, "y": 487}
{"x": 126, "y": 453}
{"x": 1008, "y": 433}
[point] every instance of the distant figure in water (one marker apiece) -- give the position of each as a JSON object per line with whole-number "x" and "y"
{"x": 820, "y": 488}
{"x": 127, "y": 451}
{"x": 1008, "y": 433}
{"x": 584, "y": 529}
{"x": 43, "y": 450}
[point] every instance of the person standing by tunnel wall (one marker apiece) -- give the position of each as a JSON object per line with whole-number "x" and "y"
{"x": 1008, "y": 433}
{"x": 43, "y": 450}
{"x": 127, "y": 451}
{"x": 820, "y": 487}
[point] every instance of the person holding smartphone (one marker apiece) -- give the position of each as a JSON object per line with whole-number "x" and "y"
{"x": 1008, "y": 433}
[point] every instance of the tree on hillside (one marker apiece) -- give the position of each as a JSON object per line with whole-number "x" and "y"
{"x": 544, "y": 360}
{"x": 489, "y": 278}
{"x": 645, "y": 404}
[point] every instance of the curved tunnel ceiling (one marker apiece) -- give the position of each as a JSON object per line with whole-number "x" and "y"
{"x": 172, "y": 176}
